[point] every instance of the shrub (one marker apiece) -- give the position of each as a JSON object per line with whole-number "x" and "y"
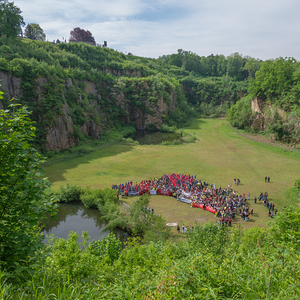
{"x": 69, "y": 193}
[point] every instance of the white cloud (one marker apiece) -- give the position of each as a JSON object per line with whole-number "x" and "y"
{"x": 259, "y": 28}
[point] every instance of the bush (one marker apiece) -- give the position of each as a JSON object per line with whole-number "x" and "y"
{"x": 69, "y": 193}
{"x": 176, "y": 142}
{"x": 297, "y": 183}
{"x": 189, "y": 139}
{"x": 166, "y": 128}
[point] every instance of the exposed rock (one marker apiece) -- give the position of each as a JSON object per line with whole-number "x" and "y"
{"x": 90, "y": 128}
{"x": 40, "y": 82}
{"x": 263, "y": 113}
{"x": 69, "y": 82}
{"x": 91, "y": 88}
{"x": 11, "y": 85}
{"x": 61, "y": 134}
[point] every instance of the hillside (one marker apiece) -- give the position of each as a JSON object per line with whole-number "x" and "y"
{"x": 78, "y": 91}
{"x": 272, "y": 104}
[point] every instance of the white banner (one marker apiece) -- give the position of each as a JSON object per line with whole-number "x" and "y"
{"x": 172, "y": 224}
{"x": 152, "y": 192}
{"x": 186, "y": 194}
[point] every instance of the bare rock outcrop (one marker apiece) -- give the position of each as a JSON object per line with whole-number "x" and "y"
{"x": 11, "y": 85}
{"x": 263, "y": 113}
{"x": 60, "y": 135}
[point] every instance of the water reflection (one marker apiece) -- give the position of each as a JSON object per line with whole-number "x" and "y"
{"x": 76, "y": 217}
{"x": 154, "y": 138}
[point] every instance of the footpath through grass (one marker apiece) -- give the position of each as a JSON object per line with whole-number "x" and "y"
{"x": 218, "y": 157}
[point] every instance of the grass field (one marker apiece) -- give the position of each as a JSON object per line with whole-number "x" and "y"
{"x": 218, "y": 157}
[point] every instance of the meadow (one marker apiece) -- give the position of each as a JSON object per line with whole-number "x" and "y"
{"x": 218, "y": 156}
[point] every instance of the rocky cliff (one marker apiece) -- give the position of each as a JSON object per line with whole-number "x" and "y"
{"x": 64, "y": 109}
{"x": 264, "y": 113}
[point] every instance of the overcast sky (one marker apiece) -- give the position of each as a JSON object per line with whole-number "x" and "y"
{"x": 259, "y": 28}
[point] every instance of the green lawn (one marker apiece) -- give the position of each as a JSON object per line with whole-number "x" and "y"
{"x": 218, "y": 157}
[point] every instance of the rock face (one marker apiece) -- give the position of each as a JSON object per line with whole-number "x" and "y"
{"x": 257, "y": 107}
{"x": 61, "y": 133}
{"x": 263, "y": 113}
{"x": 11, "y": 85}
{"x": 92, "y": 129}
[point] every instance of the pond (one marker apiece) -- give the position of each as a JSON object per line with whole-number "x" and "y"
{"x": 76, "y": 217}
{"x": 154, "y": 138}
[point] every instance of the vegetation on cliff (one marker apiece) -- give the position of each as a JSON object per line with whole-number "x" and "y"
{"x": 276, "y": 87}
{"x": 101, "y": 89}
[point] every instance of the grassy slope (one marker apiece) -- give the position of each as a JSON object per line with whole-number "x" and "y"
{"x": 220, "y": 156}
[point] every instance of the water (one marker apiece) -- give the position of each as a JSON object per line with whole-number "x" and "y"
{"x": 155, "y": 138}
{"x": 76, "y": 217}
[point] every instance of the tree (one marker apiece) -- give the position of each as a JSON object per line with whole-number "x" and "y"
{"x": 235, "y": 66}
{"x": 10, "y": 20}
{"x": 81, "y": 35}
{"x": 33, "y": 31}
{"x": 273, "y": 78}
{"x": 252, "y": 66}
{"x": 22, "y": 205}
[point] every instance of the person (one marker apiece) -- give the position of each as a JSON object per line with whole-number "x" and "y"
{"x": 248, "y": 196}
{"x": 251, "y": 210}
{"x": 255, "y": 199}
{"x": 178, "y": 228}
{"x": 238, "y": 181}
{"x": 234, "y": 180}
{"x": 268, "y": 179}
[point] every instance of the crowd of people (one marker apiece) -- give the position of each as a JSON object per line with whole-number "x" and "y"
{"x": 224, "y": 202}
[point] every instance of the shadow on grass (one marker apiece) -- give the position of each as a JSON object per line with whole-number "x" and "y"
{"x": 196, "y": 124}
{"x": 56, "y": 172}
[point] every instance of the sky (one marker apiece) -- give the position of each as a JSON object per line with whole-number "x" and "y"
{"x": 264, "y": 29}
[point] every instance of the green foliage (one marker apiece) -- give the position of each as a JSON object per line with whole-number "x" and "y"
{"x": 69, "y": 193}
{"x": 286, "y": 229}
{"x": 166, "y": 128}
{"x": 108, "y": 248}
{"x": 189, "y": 139}
{"x": 135, "y": 83}
{"x": 213, "y": 96}
{"x": 240, "y": 114}
{"x": 10, "y": 20}
{"x": 22, "y": 205}
{"x": 297, "y": 183}
{"x": 213, "y": 262}
{"x": 33, "y": 31}
{"x": 100, "y": 199}
{"x": 273, "y": 78}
